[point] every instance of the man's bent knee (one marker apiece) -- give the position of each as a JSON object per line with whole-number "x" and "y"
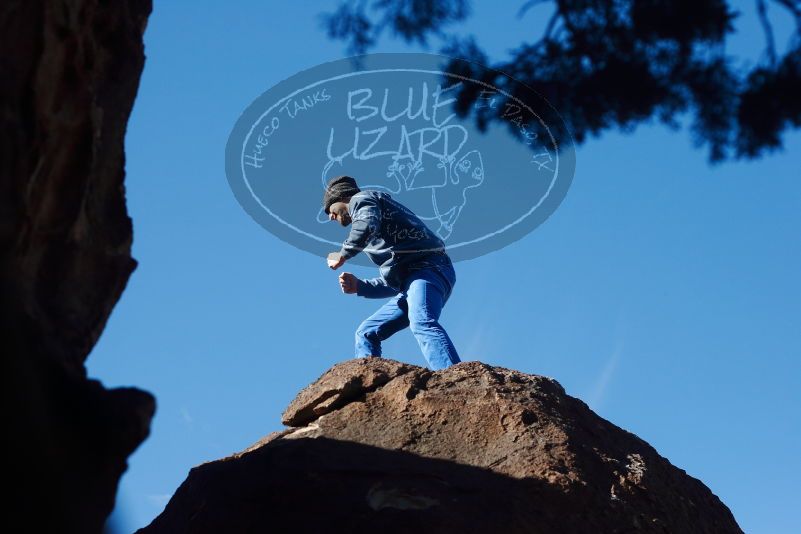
{"x": 366, "y": 333}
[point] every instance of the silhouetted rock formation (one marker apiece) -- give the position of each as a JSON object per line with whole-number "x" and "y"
{"x": 381, "y": 446}
{"x": 68, "y": 78}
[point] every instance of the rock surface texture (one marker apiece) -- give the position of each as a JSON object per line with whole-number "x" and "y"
{"x": 375, "y": 445}
{"x": 68, "y": 78}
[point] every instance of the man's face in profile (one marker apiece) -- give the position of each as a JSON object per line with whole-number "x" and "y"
{"x": 339, "y": 212}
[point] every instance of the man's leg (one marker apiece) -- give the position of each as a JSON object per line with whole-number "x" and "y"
{"x": 426, "y": 294}
{"x": 390, "y": 318}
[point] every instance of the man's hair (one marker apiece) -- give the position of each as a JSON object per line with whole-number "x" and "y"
{"x": 338, "y": 189}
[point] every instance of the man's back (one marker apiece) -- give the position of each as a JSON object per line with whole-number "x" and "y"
{"x": 392, "y": 236}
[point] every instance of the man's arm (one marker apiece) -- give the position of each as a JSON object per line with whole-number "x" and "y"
{"x": 375, "y": 288}
{"x": 366, "y": 219}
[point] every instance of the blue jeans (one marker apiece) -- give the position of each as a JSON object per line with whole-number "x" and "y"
{"x": 417, "y": 306}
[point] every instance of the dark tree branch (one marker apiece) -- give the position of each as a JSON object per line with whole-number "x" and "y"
{"x": 608, "y": 63}
{"x": 528, "y": 5}
{"x": 770, "y": 45}
{"x": 547, "y": 34}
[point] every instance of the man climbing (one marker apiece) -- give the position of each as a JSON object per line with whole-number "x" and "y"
{"x": 415, "y": 270}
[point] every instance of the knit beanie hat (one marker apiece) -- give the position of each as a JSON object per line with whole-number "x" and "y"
{"x": 338, "y": 189}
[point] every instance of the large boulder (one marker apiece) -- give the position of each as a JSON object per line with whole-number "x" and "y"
{"x": 376, "y": 445}
{"x": 69, "y": 74}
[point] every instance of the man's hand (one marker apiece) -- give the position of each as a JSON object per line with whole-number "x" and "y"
{"x": 335, "y": 260}
{"x": 348, "y": 283}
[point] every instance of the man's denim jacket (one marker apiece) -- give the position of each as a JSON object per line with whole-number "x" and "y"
{"x": 394, "y": 238}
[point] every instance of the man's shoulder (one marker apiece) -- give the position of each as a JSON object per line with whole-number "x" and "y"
{"x": 367, "y": 196}
{"x": 371, "y": 193}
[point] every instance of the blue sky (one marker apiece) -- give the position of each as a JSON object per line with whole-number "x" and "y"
{"x": 664, "y": 292}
